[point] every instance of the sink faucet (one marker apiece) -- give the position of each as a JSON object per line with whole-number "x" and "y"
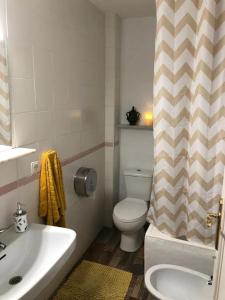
{"x": 2, "y": 246}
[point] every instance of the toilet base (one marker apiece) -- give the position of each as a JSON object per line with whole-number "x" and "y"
{"x": 132, "y": 241}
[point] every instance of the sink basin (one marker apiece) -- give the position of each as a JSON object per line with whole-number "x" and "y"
{"x": 171, "y": 282}
{"x": 33, "y": 258}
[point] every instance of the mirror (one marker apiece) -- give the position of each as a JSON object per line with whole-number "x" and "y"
{"x": 5, "y": 116}
{"x": 5, "y": 128}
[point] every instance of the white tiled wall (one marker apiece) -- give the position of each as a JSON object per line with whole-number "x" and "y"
{"x": 137, "y": 71}
{"x": 56, "y": 53}
{"x": 112, "y": 102}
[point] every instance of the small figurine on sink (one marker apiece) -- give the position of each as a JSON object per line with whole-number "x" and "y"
{"x": 133, "y": 116}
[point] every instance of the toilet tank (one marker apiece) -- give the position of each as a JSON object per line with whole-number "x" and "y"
{"x": 138, "y": 183}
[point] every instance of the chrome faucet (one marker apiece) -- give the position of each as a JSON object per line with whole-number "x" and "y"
{"x": 2, "y": 246}
{"x": 210, "y": 281}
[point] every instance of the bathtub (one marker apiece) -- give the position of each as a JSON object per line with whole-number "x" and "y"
{"x": 163, "y": 249}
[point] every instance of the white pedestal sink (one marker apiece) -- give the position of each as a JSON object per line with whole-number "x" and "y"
{"x": 35, "y": 257}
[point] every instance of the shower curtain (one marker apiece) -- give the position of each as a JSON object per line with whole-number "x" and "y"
{"x": 189, "y": 117}
{"x": 5, "y": 129}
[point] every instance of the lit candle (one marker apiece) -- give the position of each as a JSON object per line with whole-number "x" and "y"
{"x": 148, "y": 118}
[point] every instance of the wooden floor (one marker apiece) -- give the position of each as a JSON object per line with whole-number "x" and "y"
{"x": 105, "y": 250}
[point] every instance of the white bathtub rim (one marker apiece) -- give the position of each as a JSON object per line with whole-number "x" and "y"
{"x": 151, "y": 270}
{"x": 153, "y": 232}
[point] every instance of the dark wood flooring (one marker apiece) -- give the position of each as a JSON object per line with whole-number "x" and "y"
{"x": 105, "y": 250}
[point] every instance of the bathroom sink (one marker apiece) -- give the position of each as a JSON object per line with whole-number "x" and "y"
{"x": 32, "y": 259}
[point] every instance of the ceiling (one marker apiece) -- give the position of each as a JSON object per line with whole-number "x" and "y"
{"x": 127, "y": 8}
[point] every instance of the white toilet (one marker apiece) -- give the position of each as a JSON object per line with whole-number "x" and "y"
{"x": 129, "y": 215}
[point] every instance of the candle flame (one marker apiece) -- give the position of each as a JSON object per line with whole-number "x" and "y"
{"x": 148, "y": 118}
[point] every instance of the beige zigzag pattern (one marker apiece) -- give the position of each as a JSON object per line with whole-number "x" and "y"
{"x": 186, "y": 69}
{"x": 164, "y": 136}
{"x": 174, "y": 199}
{"x": 195, "y": 233}
{"x": 206, "y": 164}
{"x": 176, "y": 5}
{"x": 175, "y": 30}
{"x": 163, "y": 155}
{"x": 195, "y": 178}
{"x": 191, "y": 234}
{"x": 214, "y": 22}
{"x": 186, "y": 178}
{"x": 172, "y": 180}
{"x": 182, "y": 210}
{"x": 204, "y": 42}
{"x": 197, "y": 136}
{"x": 180, "y": 229}
{"x": 200, "y": 90}
{"x": 173, "y": 216}
{"x": 5, "y": 127}
{"x": 201, "y": 201}
{"x": 4, "y": 110}
{"x": 4, "y": 94}
{"x": 184, "y": 114}
{"x": 3, "y": 139}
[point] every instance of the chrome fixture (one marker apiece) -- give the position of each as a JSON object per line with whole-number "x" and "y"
{"x": 210, "y": 281}
{"x": 6, "y": 228}
{"x": 2, "y": 246}
{"x": 85, "y": 182}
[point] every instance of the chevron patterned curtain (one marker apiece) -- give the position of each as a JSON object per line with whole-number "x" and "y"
{"x": 5, "y": 129}
{"x": 189, "y": 117}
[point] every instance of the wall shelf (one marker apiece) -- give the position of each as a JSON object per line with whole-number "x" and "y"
{"x": 135, "y": 127}
{"x": 9, "y": 153}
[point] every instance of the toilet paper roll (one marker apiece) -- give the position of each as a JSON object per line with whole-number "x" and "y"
{"x": 85, "y": 182}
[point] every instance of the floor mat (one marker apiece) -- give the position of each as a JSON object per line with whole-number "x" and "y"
{"x": 92, "y": 281}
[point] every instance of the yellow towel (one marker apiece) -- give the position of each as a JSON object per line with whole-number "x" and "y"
{"x": 52, "y": 203}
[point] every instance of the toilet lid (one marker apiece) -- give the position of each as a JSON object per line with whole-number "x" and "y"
{"x": 130, "y": 209}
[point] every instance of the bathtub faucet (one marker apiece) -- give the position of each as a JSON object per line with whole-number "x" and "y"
{"x": 210, "y": 281}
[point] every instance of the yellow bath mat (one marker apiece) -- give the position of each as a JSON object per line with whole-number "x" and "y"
{"x": 92, "y": 281}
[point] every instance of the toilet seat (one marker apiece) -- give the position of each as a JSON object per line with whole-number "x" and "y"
{"x": 130, "y": 210}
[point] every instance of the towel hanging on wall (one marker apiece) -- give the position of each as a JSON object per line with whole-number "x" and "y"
{"x": 52, "y": 203}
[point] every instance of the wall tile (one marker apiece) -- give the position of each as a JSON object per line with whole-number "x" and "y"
{"x": 57, "y": 70}
{"x": 21, "y": 60}
{"x": 24, "y": 128}
{"x": 137, "y": 70}
{"x": 28, "y": 196}
{"x": 112, "y": 99}
{"x": 68, "y": 145}
{"x": 8, "y": 172}
{"x": 22, "y": 95}
{"x": 43, "y": 60}
{"x": 8, "y": 208}
{"x": 44, "y": 125}
{"x": 44, "y": 93}
{"x": 24, "y": 163}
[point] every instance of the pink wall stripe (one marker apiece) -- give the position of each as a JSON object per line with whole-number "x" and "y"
{"x": 82, "y": 154}
{"x": 28, "y": 179}
{"x": 111, "y": 144}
